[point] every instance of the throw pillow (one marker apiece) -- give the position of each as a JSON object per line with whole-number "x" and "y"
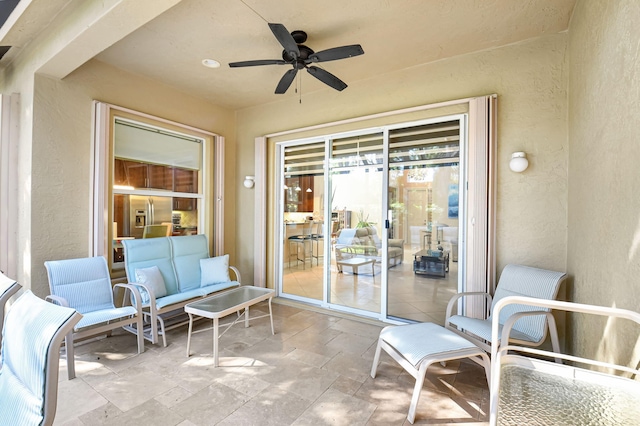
{"x": 152, "y": 278}
{"x": 214, "y": 270}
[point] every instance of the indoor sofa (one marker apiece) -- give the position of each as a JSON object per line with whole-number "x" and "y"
{"x": 352, "y": 242}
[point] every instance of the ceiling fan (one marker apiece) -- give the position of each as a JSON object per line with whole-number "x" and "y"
{"x": 300, "y": 57}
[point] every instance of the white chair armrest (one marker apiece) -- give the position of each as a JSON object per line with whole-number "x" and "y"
{"x": 136, "y": 294}
{"x": 237, "y": 272}
{"x": 57, "y": 300}
{"x": 455, "y": 298}
{"x": 511, "y": 321}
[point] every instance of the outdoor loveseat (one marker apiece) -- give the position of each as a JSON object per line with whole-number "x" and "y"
{"x": 171, "y": 272}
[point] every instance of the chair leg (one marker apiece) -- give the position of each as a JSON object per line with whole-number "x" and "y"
{"x": 140, "y": 334}
{"x": 376, "y": 359}
{"x": 68, "y": 347}
{"x": 164, "y": 334}
{"x": 154, "y": 330}
{"x": 422, "y": 371}
{"x": 553, "y": 333}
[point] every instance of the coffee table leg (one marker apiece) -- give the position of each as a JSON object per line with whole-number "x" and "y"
{"x": 246, "y": 317}
{"x": 215, "y": 342}
{"x": 189, "y": 335}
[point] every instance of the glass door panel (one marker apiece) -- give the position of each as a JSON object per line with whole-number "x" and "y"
{"x": 303, "y": 220}
{"x": 356, "y": 187}
{"x": 424, "y": 164}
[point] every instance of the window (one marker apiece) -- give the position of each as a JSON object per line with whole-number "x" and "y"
{"x": 152, "y": 178}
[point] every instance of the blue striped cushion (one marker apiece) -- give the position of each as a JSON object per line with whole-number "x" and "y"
{"x": 29, "y": 328}
{"x": 417, "y": 341}
{"x": 98, "y": 317}
{"x": 147, "y": 252}
{"x": 482, "y": 328}
{"x": 519, "y": 280}
{"x": 85, "y": 282}
{"x": 187, "y": 252}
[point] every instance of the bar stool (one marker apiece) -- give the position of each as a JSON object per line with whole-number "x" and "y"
{"x": 317, "y": 236}
{"x": 301, "y": 239}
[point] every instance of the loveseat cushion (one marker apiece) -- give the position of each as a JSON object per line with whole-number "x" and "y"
{"x": 192, "y": 294}
{"x": 152, "y": 278}
{"x": 187, "y": 252}
{"x": 214, "y": 270}
{"x": 147, "y": 252}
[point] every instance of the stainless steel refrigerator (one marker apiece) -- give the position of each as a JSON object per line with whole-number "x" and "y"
{"x": 145, "y": 210}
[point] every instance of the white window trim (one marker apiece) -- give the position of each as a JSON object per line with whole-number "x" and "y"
{"x": 99, "y": 240}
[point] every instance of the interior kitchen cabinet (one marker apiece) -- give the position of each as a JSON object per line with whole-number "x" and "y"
{"x": 142, "y": 175}
{"x": 298, "y": 195}
{"x": 185, "y": 180}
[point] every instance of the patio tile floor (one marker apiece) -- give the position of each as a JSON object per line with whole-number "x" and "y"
{"x": 314, "y": 371}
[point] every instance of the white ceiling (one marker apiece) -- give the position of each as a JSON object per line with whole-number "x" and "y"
{"x": 395, "y": 34}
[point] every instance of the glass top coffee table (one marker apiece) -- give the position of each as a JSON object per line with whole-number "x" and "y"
{"x": 220, "y": 305}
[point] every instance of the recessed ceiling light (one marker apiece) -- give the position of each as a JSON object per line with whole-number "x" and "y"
{"x": 211, "y": 63}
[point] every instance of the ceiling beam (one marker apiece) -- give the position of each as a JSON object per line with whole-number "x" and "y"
{"x": 79, "y": 31}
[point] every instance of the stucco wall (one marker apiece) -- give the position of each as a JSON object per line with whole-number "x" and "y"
{"x": 604, "y": 206}
{"x": 60, "y": 181}
{"x": 530, "y": 81}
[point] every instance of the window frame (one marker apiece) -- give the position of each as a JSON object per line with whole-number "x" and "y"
{"x": 210, "y": 198}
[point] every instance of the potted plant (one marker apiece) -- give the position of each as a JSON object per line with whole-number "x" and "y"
{"x": 363, "y": 221}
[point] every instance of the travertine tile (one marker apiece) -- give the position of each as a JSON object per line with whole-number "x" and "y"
{"x": 210, "y": 405}
{"x": 315, "y": 370}
{"x": 337, "y": 408}
{"x": 70, "y": 392}
{"x": 271, "y": 407}
{"x": 132, "y": 388}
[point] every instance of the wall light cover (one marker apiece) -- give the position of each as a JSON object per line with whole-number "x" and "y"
{"x": 519, "y": 162}
{"x": 249, "y": 181}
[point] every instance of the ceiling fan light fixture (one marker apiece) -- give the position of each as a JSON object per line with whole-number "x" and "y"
{"x": 211, "y": 63}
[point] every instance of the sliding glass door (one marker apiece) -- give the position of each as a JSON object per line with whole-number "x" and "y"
{"x": 372, "y": 221}
{"x": 357, "y": 185}
{"x": 424, "y": 177}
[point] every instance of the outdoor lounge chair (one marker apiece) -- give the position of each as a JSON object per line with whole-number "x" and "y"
{"x": 33, "y": 333}
{"x": 84, "y": 284}
{"x": 8, "y": 288}
{"x": 531, "y": 329}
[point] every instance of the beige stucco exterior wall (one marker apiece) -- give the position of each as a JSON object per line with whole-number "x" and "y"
{"x": 60, "y": 180}
{"x": 530, "y": 80}
{"x": 603, "y": 252}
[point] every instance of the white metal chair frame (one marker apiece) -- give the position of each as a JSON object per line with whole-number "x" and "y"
{"x": 95, "y": 329}
{"x": 509, "y": 352}
{"x": 478, "y": 331}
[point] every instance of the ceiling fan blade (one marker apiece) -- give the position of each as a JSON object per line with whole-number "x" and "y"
{"x": 285, "y": 39}
{"x": 327, "y": 78}
{"x": 257, "y": 63}
{"x": 286, "y": 81}
{"x": 337, "y": 53}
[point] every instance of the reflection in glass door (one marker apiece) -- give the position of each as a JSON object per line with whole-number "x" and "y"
{"x": 357, "y": 228}
{"x": 424, "y": 174}
{"x": 302, "y": 211}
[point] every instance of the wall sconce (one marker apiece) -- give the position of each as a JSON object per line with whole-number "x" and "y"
{"x": 249, "y": 181}
{"x": 519, "y": 162}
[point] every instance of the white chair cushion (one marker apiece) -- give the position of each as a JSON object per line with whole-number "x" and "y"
{"x": 152, "y": 278}
{"x": 214, "y": 270}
